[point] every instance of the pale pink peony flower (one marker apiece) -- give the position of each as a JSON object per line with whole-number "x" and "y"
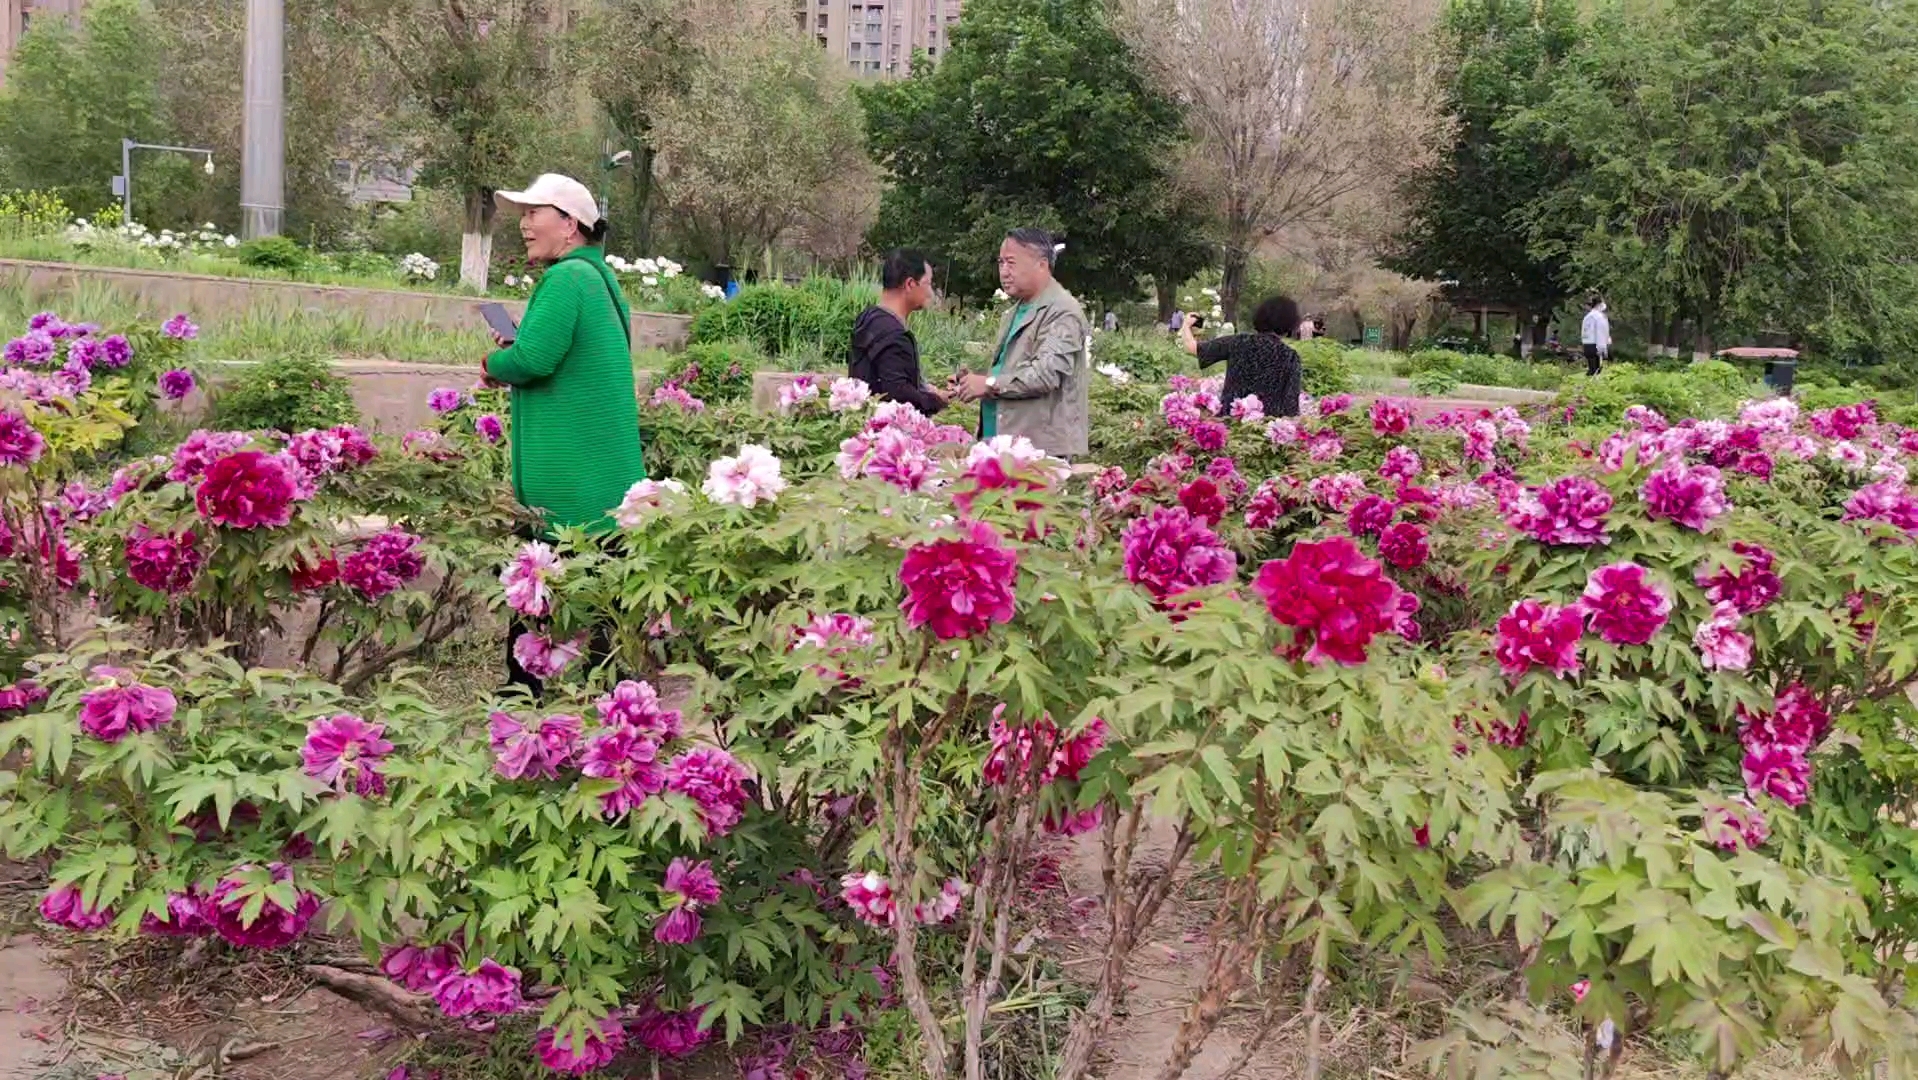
{"x": 746, "y": 480}
{"x": 1248, "y": 409}
{"x": 645, "y": 499}
{"x": 526, "y": 579}
{"x": 848, "y": 394}
{"x": 1283, "y": 431}
{"x": 1721, "y": 646}
{"x": 542, "y": 657}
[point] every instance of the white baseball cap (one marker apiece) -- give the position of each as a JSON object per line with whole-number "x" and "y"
{"x": 560, "y": 192}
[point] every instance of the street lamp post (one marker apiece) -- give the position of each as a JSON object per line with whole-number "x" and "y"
{"x": 123, "y": 183}
{"x": 608, "y": 163}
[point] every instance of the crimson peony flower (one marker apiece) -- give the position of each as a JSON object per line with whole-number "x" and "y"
{"x": 63, "y": 906}
{"x": 583, "y": 1052}
{"x": 274, "y": 925}
{"x": 1625, "y": 607}
{"x": 1748, "y": 590}
{"x": 344, "y": 752}
{"x": 315, "y": 576}
{"x": 111, "y": 713}
{"x": 1797, "y": 720}
{"x": 185, "y": 917}
{"x": 420, "y": 969}
{"x": 713, "y": 779}
{"x": 491, "y": 988}
{"x": 1690, "y": 495}
{"x": 1370, "y": 515}
{"x": 1570, "y": 510}
{"x": 537, "y": 750}
{"x": 1169, "y": 551}
{"x": 388, "y": 561}
{"x": 1334, "y": 595}
{"x": 871, "y": 898}
{"x": 247, "y": 490}
{"x": 960, "y": 587}
{"x": 165, "y": 564}
{"x": 630, "y": 757}
{"x": 20, "y": 442}
{"x": 1390, "y": 416}
{"x": 1533, "y": 634}
{"x": 1404, "y": 545}
{"x": 1202, "y": 500}
{"x": 670, "y": 1034}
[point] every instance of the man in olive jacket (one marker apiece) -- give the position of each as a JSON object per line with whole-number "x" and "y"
{"x": 1040, "y": 370}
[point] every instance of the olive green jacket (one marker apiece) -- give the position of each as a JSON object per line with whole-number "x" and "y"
{"x": 1044, "y": 380}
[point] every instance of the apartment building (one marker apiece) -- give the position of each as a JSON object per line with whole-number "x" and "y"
{"x": 876, "y": 38}
{"x": 16, "y": 16}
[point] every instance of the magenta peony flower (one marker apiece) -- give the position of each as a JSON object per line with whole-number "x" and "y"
{"x": 542, "y": 657}
{"x": 115, "y": 352}
{"x": 1690, "y": 495}
{"x": 1570, "y": 510}
{"x": 112, "y": 712}
{"x": 1267, "y": 506}
{"x": 185, "y": 917}
{"x": 1797, "y": 720}
{"x": 33, "y": 348}
{"x": 420, "y": 969}
{"x": 632, "y": 758}
{"x": 691, "y": 883}
{"x": 1334, "y": 404}
{"x": 870, "y": 897}
{"x": 587, "y": 1051}
{"x": 1210, "y": 435}
{"x": 713, "y": 779}
{"x": 1390, "y": 416}
{"x": 275, "y": 925}
{"x": 1404, "y": 545}
{"x": 344, "y": 752}
{"x": 1370, "y": 515}
{"x": 489, "y": 427}
{"x": 176, "y": 384}
{"x": 20, "y": 442}
{"x": 670, "y": 1034}
{"x": 200, "y": 450}
{"x": 21, "y": 695}
{"x": 63, "y": 906}
{"x": 1721, "y": 646}
{"x": 491, "y": 988}
{"x": 165, "y": 564}
{"x": 180, "y": 328}
{"x": 636, "y": 705}
{"x": 1481, "y": 441}
{"x": 445, "y": 400}
{"x": 325, "y": 451}
{"x": 536, "y": 750}
{"x": 960, "y": 587}
{"x": 1748, "y": 590}
{"x": 1886, "y": 501}
{"x": 526, "y": 578}
{"x": 1844, "y": 422}
{"x": 247, "y": 490}
{"x": 1169, "y": 552}
{"x": 1735, "y": 823}
{"x": 1335, "y": 596}
{"x": 1779, "y": 771}
{"x": 389, "y": 560}
{"x": 1625, "y": 607}
{"x": 1533, "y": 634}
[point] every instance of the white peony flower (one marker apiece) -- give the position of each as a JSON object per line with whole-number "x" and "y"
{"x": 849, "y": 394}
{"x": 644, "y": 499}
{"x": 711, "y": 291}
{"x": 746, "y": 480}
{"x": 1117, "y": 374}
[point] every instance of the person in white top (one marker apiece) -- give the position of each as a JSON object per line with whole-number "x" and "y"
{"x": 1596, "y": 335}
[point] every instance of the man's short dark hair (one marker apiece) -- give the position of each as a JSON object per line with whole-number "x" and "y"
{"x": 902, "y": 265}
{"x": 1038, "y": 240}
{"x": 1276, "y": 315}
{"x": 1594, "y": 300}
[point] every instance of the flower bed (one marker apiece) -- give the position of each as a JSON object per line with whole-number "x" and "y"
{"x": 1631, "y": 699}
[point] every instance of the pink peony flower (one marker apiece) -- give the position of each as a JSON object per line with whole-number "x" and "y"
{"x": 670, "y": 395}
{"x": 800, "y": 391}
{"x": 1570, "y": 510}
{"x": 1248, "y": 409}
{"x": 1401, "y": 463}
{"x": 670, "y": 1034}
{"x": 180, "y": 327}
{"x": 645, "y": 498}
{"x": 200, "y": 450}
{"x": 713, "y": 779}
{"x": 491, "y": 988}
{"x": 1370, "y": 515}
{"x": 63, "y": 906}
{"x": 1266, "y": 507}
{"x": 389, "y": 560}
{"x": 943, "y": 905}
{"x": 1283, "y": 431}
{"x": 420, "y": 969}
{"x": 1336, "y": 491}
{"x": 542, "y": 657}
{"x": 20, "y": 442}
{"x": 1690, "y": 495}
{"x": 1886, "y": 501}
{"x": 1749, "y": 589}
{"x": 1779, "y": 771}
{"x": 164, "y": 564}
{"x": 630, "y": 757}
{"x": 1334, "y": 404}
{"x": 536, "y": 750}
{"x": 1844, "y": 422}
{"x": 247, "y": 490}
{"x": 185, "y": 917}
{"x": 746, "y": 480}
{"x": 835, "y": 633}
{"x": 1210, "y": 435}
{"x": 588, "y": 1051}
{"x": 1335, "y": 596}
{"x": 1169, "y": 552}
{"x": 960, "y": 587}
{"x": 112, "y": 712}
{"x": 636, "y": 705}
{"x": 1324, "y": 445}
{"x": 1533, "y": 634}
{"x": 870, "y": 897}
{"x": 1735, "y": 822}
{"x": 525, "y": 579}
{"x": 344, "y": 752}
{"x": 1390, "y": 416}
{"x": 848, "y": 394}
{"x": 1625, "y": 607}
{"x": 274, "y": 925}
{"x": 899, "y": 458}
{"x": 1481, "y": 440}
{"x": 445, "y": 400}
{"x": 1721, "y": 646}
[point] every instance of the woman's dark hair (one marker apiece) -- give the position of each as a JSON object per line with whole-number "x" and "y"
{"x": 1037, "y": 240}
{"x": 902, "y": 265}
{"x": 594, "y": 234}
{"x": 1276, "y": 315}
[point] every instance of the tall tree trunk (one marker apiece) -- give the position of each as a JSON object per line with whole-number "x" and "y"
{"x": 642, "y": 208}
{"x": 1702, "y": 345}
{"x": 1672, "y": 327}
{"x": 1655, "y": 335}
{"x": 1168, "y": 295}
{"x": 476, "y": 240}
{"x": 1232, "y": 281}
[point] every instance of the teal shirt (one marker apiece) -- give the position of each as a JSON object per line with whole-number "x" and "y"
{"x": 989, "y": 409}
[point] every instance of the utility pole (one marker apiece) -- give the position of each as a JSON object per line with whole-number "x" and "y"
{"x": 263, "y": 129}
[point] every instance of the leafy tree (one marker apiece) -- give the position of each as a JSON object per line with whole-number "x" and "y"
{"x": 1037, "y": 115}
{"x": 1466, "y": 221}
{"x": 1752, "y": 170}
{"x": 71, "y": 97}
{"x": 636, "y": 54}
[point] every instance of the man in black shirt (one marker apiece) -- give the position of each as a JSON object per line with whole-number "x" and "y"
{"x": 884, "y": 355}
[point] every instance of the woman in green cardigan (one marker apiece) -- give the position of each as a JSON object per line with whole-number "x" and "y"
{"x": 575, "y": 418}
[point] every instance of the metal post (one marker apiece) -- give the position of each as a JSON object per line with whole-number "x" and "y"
{"x": 263, "y": 129}
{"x": 126, "y": 181}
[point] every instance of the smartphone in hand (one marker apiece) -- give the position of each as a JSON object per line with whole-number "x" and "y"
{"x": 501, "y": 321}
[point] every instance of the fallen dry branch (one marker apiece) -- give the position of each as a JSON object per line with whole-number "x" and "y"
{"x": 374, "y": 992}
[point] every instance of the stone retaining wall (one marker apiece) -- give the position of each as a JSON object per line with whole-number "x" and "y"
{"x": 207, "y": 298}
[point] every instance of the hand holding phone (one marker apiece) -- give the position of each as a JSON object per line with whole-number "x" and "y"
{"x": 505, "y": 330}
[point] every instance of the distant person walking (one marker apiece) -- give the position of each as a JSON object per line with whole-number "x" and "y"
{"x": 1112, "y": 321}
{"x": 1259, "y": 364}
{"x": 885, "y": 355}
{"x": 1595, "y": 334}
{"x": 1037, "y": 385}
{"x": 575, "y": 430}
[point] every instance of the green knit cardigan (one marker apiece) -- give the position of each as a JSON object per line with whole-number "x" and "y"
{"x": 575, "y": 418}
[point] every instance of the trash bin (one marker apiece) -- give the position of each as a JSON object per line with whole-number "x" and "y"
{"x": 1779, "y": 374}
